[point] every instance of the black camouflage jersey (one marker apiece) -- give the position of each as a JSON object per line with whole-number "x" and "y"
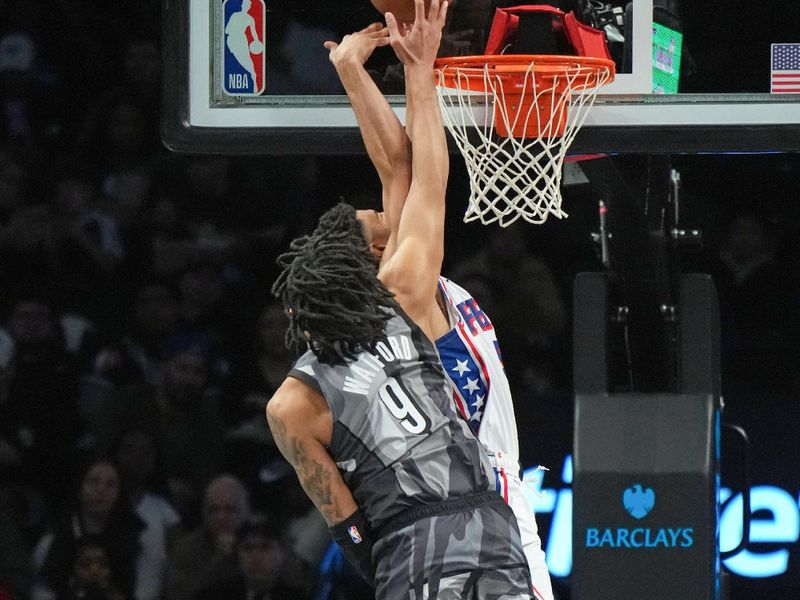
{"x": 396, "y": 438}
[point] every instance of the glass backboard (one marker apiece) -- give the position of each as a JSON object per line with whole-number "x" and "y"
{"x": 691, "y": 76}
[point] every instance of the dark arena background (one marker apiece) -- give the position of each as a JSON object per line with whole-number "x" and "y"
{"x": 143, "y": 203}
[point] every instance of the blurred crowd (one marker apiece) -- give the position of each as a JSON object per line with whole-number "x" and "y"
{"x": 139, "y": 343}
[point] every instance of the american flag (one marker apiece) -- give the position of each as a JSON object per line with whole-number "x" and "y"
{"x": 785, "y": 78}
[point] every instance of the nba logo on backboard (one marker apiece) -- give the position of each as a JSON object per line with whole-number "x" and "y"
{"x": 244, "y": 61}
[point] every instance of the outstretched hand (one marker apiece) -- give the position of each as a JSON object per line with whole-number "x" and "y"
{"x": 418, "y": 44}
{"x": 358, "y": 46}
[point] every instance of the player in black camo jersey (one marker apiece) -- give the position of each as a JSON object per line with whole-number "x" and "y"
{"x": 365, "y": 416}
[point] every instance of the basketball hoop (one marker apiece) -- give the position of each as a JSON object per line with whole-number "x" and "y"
{"x": 513, "y": 118}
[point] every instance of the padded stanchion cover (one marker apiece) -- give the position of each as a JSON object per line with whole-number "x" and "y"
{"x": 585, "y": 40}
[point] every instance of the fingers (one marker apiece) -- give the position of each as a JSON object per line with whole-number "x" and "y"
{"x": 380, "y": 33}
{"x": 373, "y": 27}
{"x": 437, "y": 13}
{"x": 391, "y": 25}
{"x": 376, "y": 33}
{"x": 442, "y": 14}
{"x": 419, "y": 10}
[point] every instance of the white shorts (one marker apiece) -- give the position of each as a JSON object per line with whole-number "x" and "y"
{"x": 509, "y": 486}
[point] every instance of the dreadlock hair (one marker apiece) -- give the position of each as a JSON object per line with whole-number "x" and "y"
{"x": 330, "y": 288}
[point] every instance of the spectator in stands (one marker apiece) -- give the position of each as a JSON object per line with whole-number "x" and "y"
{"x": 166, "y": 241}
{"x": 126, "y": 193}
{"x": 100, "y": 509}
{"x": 75, "y": 201}
{"x": 66, "y": 240}
{"x": 202, "y": 288}
{"x": 180, "y": 412}
{"x": 137, "y": 457}
{"x": 92, "y": 576}
{"x": 38, "y": 414}
{"x": 139, "y": 82}
{"x": 206, "y": 556}
{"x": 206, "y": 305}
{"x": 267, "y": 568}
{"x": 88, "y": 245}
{"x": 154, "y": 317}
{"x": 117, "y": 140}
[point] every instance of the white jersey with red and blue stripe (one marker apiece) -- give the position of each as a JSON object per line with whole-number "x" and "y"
{"x": 470, "y": 355}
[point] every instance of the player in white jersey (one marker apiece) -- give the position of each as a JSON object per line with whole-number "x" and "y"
{"x": 469, "y": 352}
{"x": 470, "y": 355}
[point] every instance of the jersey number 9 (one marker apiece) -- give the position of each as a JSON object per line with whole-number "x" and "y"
{"x": 403, "y": 408}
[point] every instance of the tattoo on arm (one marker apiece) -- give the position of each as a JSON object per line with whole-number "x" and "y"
{"x": 278, "y": 428}
{"x": 316, "y": 480}
{"x": 314, "y": 476}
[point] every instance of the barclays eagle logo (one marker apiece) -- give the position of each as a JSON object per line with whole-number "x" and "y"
{"x": 638, "y": 502}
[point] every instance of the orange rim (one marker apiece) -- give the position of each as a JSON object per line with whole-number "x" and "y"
{"x": 559, "y": 73}
{"x": 515, "y": 67}
{"x": 543, "y": 64}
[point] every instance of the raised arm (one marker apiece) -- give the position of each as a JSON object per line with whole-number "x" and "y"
{"x": 385, "y": 139}
{"x": 412, "y": 272}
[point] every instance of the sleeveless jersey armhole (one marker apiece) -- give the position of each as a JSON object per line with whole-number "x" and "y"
{"x": 304, "y": 370}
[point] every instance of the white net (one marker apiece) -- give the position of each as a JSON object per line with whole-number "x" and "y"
{"x": 515, "y": 130}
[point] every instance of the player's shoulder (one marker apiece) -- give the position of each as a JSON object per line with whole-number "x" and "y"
{"x": 293, "y": 398}
{"x": 298, "y": 410}
{"x": 292, "y": 388}
{"x": 309, "y": 370}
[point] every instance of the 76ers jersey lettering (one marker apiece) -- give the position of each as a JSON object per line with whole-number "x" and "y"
{"x": 471, "y": 358}
{"x": 244, "y": 60}
{"x": 473, "y": 316}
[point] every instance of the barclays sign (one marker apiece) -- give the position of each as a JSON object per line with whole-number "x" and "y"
{"x": 640, "y": 537}
{"x": 774, "y": 535}
{"x": 638, "y": 502}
